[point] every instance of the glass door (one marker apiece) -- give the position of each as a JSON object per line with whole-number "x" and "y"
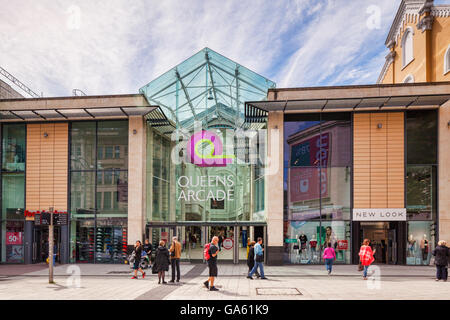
{"x": 158, "y": 233}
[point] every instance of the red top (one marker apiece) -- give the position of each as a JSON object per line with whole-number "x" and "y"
{"x": 366, "y": 255}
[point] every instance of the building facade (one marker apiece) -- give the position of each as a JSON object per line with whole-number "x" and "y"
{"x": 212, "y": 148}
{"x": 418, "y": 43}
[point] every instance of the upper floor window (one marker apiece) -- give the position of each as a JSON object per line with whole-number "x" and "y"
{"x": 447, "y": 60}
{"x": 407, "y": 46}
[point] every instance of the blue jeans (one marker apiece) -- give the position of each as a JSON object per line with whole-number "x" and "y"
{"x": 365, "y": 271}
{"x": 329, "y": 264}
{"x": 255, "y": 267}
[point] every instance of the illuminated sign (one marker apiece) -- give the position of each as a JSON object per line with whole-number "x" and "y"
{"x": 205, "y": 149}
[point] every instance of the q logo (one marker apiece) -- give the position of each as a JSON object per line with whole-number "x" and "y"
{"x": 205, "y": 149}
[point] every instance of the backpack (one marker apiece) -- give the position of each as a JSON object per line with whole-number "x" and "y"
{"x": 206, "y": 251}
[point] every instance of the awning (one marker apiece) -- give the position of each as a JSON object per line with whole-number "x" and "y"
{"x": 350, "y": 104}
{"x": 75, "y": 113}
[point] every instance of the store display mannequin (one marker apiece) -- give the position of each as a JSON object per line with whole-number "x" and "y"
{"x": 302, "y": 240}
{"x": 411, "y": 245}
{"x": 424, "y": 248}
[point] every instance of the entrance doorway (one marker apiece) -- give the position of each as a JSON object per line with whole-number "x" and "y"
{"x": 233, "y": 239}
{"x": 383, "y": 240}
{"x": 40, "y": 244}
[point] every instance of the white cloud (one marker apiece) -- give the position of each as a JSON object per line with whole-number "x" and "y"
{"x": 121, "y": 45}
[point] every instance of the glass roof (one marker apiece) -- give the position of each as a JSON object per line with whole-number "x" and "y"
{"x": 206, "y": 86}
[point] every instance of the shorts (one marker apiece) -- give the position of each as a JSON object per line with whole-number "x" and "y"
{"x": 212, "y": 268}
{"x": 136, "y": 264}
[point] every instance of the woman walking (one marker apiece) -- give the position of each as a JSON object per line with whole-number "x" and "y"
{"x": 251, "y": 257}
{"x": 366, "y": 256}
{"x": 329, "y": 255}
{"x": 162, "y": 262}
{"x": 137, "y": 260}
{"x": 441, "y": 253}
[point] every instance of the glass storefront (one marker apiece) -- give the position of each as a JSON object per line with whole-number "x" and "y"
{"x": 12, "y": 193}
{"x": 99, "y": 191}
{"x": 421, "y": 185}
{"x": 199, "y": 170}
{"x": 317, "y": 184}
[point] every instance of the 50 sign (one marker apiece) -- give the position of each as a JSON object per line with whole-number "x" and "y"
{"x": 14, "y": 238}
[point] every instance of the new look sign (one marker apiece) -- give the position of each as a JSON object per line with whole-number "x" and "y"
{"x": 379, "y": 214}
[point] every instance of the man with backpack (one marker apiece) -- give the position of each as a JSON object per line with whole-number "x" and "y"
{"x": 210, "y": 253}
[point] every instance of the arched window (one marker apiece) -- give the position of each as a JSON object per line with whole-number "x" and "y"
{"x": 407, "y": 46}
{"x": 409, "y": 79}
{"x": 447, "y": 60}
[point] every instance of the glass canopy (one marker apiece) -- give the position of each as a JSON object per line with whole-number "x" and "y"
{"x": 205, "y": 87}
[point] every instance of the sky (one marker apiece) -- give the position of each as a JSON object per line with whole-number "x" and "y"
{"x": 117, "y": 46}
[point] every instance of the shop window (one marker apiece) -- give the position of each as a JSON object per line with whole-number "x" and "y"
{"x": 421, "y": 192}
{"x": 420, "y": 242}
{"x": 13, "y": 148}
{"x": 421, "y": 131}
{"x": 317, "y": 182}
{"x": 12, "y": 227}
{"x": 407, "y": 46}
{"x": 102, "y": 200}
{"x": 304, "y": 241}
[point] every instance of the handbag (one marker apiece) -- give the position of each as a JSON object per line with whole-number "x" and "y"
{"x": 295, "y": 246}
{"x": 360, "y": 266}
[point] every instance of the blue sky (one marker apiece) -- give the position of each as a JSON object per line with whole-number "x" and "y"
{"x": 115, "y": 47}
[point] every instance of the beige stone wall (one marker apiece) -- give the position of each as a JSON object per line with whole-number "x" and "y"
{"x": 274, "y": 180}
{"x": 136, "y": 178}
{"x": 444, "y": 172}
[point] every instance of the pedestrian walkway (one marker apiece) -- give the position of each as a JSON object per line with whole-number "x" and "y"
{"x": 112, "y": 282}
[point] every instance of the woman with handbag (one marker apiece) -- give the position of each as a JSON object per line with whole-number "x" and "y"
{"x": 366, "y": 257}
{"x": 162, "y": 262}
{"x": 136, "y": 255}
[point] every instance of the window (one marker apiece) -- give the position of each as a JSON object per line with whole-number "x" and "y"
{"x": 99, "y": 190}
{"x": 407, "y": 46}
{"x": 447, "y": 60}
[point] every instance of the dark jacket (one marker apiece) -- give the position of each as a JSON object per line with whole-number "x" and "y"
{"x": 161, "y": 260}
{"x": 442, "y": 254}
{"x": 148, "y": 248}
{"x": 251, "y": 257}
{"x": 138, "y": 251}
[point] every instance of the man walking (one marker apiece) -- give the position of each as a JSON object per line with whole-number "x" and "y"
{"x": 259, "y": 258}
{"x": 211, "y": 251}
{"x": 175, "y": 254}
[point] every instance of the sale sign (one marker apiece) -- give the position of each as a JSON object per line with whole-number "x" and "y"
{"x": 13, "y": 238}
{"x": 227, "y": 243}
{"x": 342, "y": 245}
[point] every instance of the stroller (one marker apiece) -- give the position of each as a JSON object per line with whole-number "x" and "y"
{"x": 145, "y": 260}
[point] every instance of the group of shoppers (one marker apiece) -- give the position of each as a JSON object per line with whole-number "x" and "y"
{"x": 366, "y": 258}
{"x": 163, "y": 258}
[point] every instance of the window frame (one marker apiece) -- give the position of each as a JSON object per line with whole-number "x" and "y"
{"x": 409, "y": 31}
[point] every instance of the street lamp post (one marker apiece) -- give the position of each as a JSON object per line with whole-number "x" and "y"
{"x": 50, "y": 248}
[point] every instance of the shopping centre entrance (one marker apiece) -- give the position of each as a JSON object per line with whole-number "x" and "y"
{"x": 233, "y": 239}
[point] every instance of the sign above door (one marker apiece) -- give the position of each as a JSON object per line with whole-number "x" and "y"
{"x": 389, "y": 214}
